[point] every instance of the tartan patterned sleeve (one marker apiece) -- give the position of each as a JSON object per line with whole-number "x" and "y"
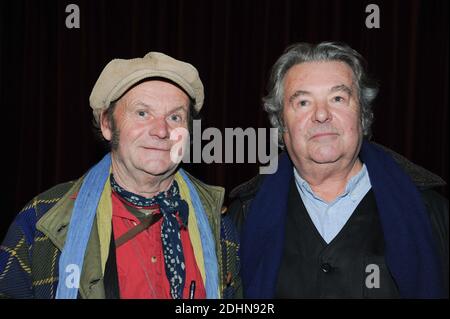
{"x": 15, "y": 257}
{"x": 28, "y": 259}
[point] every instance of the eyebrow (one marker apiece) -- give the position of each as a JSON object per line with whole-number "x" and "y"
{"x": 140, "y": 103}
{"x": 297, "y": 94}
{"x": 337, "y": 88}
{"x": 341, "y": 87}
{"x": 181, "y": 107}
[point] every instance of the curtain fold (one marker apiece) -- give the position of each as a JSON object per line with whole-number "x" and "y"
{"x": 47, "y": 72}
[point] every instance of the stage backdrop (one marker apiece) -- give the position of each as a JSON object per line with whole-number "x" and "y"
{"x": 47, "y": 72}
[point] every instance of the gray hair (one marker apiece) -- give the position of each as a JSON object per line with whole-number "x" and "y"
{"x": 325, "y": 51}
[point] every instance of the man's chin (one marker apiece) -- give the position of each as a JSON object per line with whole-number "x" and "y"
{"x": 159, "y": 169}
{"x": 325, "y": 157}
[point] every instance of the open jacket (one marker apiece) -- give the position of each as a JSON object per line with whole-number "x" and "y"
{"x": 30, "y": 252}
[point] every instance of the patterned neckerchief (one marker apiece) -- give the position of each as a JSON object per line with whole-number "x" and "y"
{"x": 170, "y": 203}
{"x": 170, "y": 197}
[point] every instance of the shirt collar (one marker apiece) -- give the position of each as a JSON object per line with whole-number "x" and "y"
{"x": 354, "y": 187}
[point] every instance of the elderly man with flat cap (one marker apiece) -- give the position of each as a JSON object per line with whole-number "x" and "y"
{"x": 135, "y": 225}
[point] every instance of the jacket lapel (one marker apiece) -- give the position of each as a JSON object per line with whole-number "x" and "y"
{"x": 212, "y": 201}
{"x": 54, "y": 224}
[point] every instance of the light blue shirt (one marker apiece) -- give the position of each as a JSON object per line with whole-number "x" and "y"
{"x": 330, "y": 218}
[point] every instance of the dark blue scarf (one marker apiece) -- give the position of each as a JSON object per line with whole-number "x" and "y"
{"x": 410, "y": 249}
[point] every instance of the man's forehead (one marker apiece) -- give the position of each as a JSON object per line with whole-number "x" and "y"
{"x": 158, "y": 86}
{"x": 171, "y": 107}
{"x": 320, "y": 73}
{"x": 155, "y": 106}
{"x": 154, "y": 93}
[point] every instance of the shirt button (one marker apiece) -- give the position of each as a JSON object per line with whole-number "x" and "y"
{"x": 326, "y": 268}
{"x": 153, "y": 259}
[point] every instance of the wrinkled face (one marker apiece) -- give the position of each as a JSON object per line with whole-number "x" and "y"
{"x": 321, "y": 113}
{"x": 144, "y": 118}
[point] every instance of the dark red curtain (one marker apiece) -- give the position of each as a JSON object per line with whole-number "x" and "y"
{"x": 47, "y": 72}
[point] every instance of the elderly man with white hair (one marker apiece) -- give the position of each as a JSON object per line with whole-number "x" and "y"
{"x": 342, "y": 217}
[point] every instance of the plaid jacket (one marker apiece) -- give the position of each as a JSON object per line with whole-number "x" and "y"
{"x": 29, "y": 254}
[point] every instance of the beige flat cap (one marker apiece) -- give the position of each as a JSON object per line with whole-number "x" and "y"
{"x": 119, "y": 75}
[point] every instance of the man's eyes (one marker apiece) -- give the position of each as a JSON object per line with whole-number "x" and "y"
{"x": 303, "y": 102}
{"x": 141, "y": 113}
{"x": 173, "y": 117}
{"x": 338, "y": 99}
{"x": 176, "y": 118}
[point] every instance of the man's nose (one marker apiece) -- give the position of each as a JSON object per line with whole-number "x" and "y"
{"x": 159, "y": 128}
{"x": 322, "y": 113}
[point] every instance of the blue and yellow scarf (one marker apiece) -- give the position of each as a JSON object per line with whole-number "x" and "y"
{"x": 94, "y": 202}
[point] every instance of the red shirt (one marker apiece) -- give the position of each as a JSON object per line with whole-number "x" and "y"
{"x": 140, "y": 261}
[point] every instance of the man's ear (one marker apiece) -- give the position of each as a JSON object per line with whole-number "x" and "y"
{"x": 105, "y": 126}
